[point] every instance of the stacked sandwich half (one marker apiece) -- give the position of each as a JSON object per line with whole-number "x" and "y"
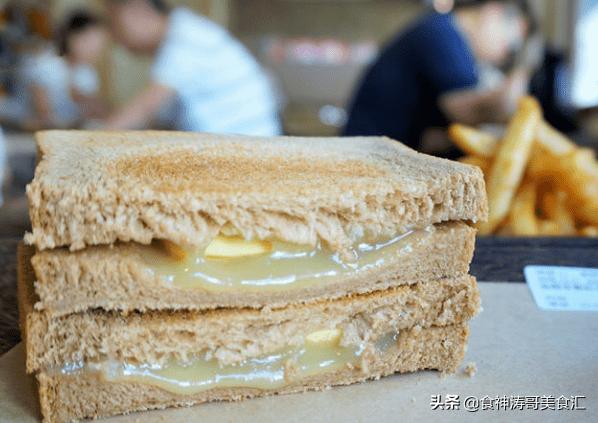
{"x": 169, "y": 269}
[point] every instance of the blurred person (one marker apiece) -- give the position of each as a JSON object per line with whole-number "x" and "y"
{"x": 429, "y": 74}
{"x": 82, "y": 43}
{"x": 60, "y": 88}
{"x": 16, "y": 109}
{"x": 218, "y": 85}
{"x": 551, "y": 85}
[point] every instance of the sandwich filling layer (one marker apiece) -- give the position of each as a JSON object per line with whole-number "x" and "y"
{"x": 234, "y": 264}
{"x": 321, "y": 352}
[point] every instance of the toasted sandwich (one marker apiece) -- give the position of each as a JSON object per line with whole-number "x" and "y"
{"x": 167, "y": 269}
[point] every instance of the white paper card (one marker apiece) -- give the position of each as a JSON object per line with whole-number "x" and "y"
{"x": 563, "y": 288}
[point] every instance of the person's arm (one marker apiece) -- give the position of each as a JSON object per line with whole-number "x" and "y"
{"x": 142, "y": 109}
{"x": 84, "y": 90}
{"x": 449, "y": 67}
{"x": 472, "y": 106}
{"x": 92, "y": 106}
{"x": 41, "y": 105}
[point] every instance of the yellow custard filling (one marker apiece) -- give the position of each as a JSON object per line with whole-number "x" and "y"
{"x": 235, "y": 264}
{"x": 321, "y": 353}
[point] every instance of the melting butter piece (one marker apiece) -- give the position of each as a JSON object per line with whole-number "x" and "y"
{"x": 330, "y": 336}
{"x": 318, "y": 356}
{"x": 225, "y": 247}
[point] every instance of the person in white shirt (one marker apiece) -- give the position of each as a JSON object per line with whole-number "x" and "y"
{"x": 60, "y": 89}
{"x": 219, "y": 86}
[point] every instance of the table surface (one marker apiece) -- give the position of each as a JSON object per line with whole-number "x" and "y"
{"x": 496, "y": 259}
{"x": 520, "y": 352}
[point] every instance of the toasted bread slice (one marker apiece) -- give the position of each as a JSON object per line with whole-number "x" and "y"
{"x": 87, "y": 395}
{"x": 117, "y": 278}
{"x": 94, "y": 188}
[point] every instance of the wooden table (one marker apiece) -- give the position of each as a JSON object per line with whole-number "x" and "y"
{"x": 496, "y": 259}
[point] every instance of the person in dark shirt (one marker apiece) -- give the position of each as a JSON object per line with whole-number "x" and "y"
{"x": 428, "y": 75}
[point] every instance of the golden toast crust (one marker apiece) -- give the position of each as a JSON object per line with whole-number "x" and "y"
{"x": 94, "y": 188}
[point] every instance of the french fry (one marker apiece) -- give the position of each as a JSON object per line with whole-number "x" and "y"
{"x": 505, "y": 229}
{"x": 549, "y": 146}
{"x": 577, "y": 174}
{"x": 522, "y": 217}
{"x": 548, "y": 228}
{"x": 480, "y": 162}
{"x": 587, "y": 213}
{"x": 473, "y": 141}
{"x": 541, "y": 165}
{"x": 511, "y": 159}
{"x": 589, "y": 231}
{"x": 560, "y": 177}
{"x": 556, "y": 208}
{"x": 553, "y": 141}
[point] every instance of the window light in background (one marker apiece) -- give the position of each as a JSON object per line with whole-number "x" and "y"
{"x": 585, "y": 56}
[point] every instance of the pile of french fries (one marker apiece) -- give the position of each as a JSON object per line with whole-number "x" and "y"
{"x": 539, "y": 182}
